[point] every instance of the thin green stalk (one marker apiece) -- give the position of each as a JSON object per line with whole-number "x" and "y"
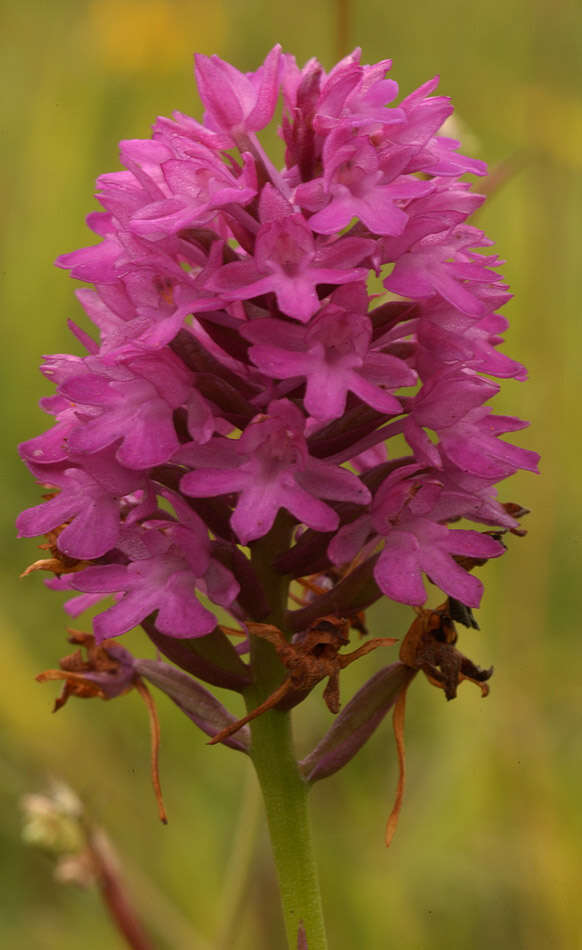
{"x": 285, "y": 797}
{"x": 284, "y": 789}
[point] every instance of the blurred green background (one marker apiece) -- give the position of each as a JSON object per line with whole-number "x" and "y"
{"x": 488, "y": 848}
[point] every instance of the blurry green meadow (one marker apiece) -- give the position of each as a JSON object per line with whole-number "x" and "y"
{"x": 488, "y": 851}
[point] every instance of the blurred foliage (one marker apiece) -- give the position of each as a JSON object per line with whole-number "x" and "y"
{"x": 488, "y": 848}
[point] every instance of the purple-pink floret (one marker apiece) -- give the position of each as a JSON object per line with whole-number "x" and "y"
{"x": 243, "y": 363}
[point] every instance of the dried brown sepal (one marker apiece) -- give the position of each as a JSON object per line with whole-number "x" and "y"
{"x": 516, "y": 510}
{"x": 75, "y": 685}
{"x": 398, "y": 726}
{"x": 58, "y": 563}
{"x": 155, "y": 745}
{"x": 233, "y": 632}
{"x": 312, "y": 658}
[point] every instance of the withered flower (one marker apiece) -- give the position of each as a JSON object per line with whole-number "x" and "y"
{"x": 310, "y": 657}
{"x": 429, "y": 646}
{"x": 107, "y": 671}
{"x": 58, "y": 563}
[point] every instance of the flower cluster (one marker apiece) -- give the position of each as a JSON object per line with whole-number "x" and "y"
{"x": 264, "y": 334}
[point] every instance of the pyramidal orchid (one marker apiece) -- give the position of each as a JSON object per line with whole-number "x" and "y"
{"x": 282, "y": 414}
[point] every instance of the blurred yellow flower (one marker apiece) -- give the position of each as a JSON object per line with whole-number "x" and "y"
{"x": 154, "y": 35}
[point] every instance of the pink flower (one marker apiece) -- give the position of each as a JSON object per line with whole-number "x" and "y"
{"x": 270, "y": 468}
{"x": 89, "y": 502}
{"x": 132, "y": 405}
{"x": 198, "y": 184}
{"x": 355, "y": 185}
{"x": 289, "y": 263}
{"x": 424, "y": 269}
{"x": 334, "y": 355}
{"x": 169, "y": 560}
{"x": 406, "y": 513}
{"x": 237, "y": 103}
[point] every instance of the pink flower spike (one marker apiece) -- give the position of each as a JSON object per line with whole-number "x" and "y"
{"x": 241, "y": 360}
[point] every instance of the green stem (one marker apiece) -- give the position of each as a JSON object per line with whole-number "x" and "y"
{"x": 285, "y": 796}
{"x": 284, "y": 789}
